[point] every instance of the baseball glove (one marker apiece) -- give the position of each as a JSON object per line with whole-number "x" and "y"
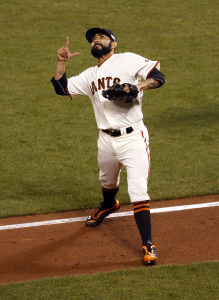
{"x": 125, "y": 92}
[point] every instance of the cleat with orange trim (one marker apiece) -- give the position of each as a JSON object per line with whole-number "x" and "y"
{"x": 150, "y": 254}
{"x": 99, "y": 215}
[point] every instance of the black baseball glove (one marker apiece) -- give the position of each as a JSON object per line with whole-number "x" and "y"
{"x": 125, "y": 92}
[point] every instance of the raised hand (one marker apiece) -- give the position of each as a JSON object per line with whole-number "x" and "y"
{"x": 64, "y": 54}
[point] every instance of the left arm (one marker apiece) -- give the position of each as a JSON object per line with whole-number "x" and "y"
{"x": 154, "y": 80}
{"x": 148, "y": 84}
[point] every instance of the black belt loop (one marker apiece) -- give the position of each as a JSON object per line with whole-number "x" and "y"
{"x": 117, "y": 132}
{"x": 129, "y": 129}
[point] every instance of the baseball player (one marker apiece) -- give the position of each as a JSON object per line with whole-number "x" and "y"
{"x": 115, "y": 87}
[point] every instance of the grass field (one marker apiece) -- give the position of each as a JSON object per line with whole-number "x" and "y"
{"x": 48, "y": 143}
{"x": 196, "y": 281}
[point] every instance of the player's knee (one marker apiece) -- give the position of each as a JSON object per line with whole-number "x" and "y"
{"x": 138, "y": 192}
{"x": 108, "y": 184}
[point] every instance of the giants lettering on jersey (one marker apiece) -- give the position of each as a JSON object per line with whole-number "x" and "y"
{"x": 104, "y": 83}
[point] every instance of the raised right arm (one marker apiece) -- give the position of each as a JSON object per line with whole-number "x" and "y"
{"x": 59, "y": 81}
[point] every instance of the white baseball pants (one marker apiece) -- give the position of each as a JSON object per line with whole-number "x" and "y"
{"x": 129, "y": 150}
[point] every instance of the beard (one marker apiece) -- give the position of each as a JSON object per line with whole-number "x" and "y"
{"x": 99, "y": 52}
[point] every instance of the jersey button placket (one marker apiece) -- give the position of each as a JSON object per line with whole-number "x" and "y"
{"x": 99, "y": 91}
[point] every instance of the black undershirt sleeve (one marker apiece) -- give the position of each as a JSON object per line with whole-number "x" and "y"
{"x": 60, "y": 86}
{"x": 157, "y": 75}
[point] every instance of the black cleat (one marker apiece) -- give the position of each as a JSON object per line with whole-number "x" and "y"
{"x": 99, "y": 215}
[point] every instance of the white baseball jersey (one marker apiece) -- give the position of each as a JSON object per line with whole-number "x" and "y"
{"x": 120, "y": 68}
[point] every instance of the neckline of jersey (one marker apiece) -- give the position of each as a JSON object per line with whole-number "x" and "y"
{"x": 105, "y": 60}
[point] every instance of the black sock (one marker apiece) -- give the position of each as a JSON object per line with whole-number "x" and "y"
{"x": 109, "y": 197}
{"x": 143, "y": 220}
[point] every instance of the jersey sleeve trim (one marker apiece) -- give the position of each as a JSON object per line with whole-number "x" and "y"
{"x": 153, "y": 69}
{"x": 69, "y": 93}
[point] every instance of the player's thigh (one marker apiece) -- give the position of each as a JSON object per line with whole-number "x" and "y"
{"x": 108, "y": 162}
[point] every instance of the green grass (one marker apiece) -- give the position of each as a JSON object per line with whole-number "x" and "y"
{"x": 196, "y": 281}
{"x": 48, "y": 143}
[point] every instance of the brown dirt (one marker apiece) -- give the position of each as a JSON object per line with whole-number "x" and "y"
{"x": 71, "y": 249}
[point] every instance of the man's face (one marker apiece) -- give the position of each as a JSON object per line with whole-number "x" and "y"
{"x": 100, "y": 45}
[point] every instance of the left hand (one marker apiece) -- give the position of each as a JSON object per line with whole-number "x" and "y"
{"x": 125, "y": 92}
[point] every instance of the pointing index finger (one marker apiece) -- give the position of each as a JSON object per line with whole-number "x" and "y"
{"x": 67, "y": 42}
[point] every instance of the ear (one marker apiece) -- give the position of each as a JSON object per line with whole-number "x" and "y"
{"x": 114, "y": 45}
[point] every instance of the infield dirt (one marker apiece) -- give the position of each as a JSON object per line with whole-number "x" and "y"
{"x": 71, "y": 249}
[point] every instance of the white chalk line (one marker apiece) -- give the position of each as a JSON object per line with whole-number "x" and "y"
{"x": 114, "y": 215}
